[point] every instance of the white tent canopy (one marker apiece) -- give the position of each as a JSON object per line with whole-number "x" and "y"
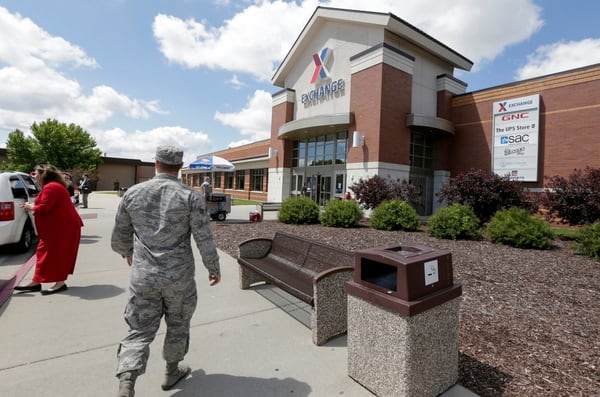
{"x": 211, "y": 163}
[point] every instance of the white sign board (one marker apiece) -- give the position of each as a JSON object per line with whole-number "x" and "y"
{"x": 515, "y": 135}
{"x": 431, "y": 272}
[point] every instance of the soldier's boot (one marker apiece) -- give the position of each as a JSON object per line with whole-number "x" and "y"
{"x": 174, "y": 373}
{"x": 126, "y": 384}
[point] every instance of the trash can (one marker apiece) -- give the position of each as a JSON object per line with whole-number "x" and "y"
{"x": 403, "y": 309}
{"x": 254, "y": 216}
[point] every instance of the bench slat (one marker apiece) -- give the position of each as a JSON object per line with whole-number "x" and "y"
{"x": 320, "y": 258}
{"x": 290, "y": 248}
{"x": 295, "y": 282}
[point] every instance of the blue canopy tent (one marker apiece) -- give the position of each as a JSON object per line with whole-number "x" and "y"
{"x": 211, "y": 163}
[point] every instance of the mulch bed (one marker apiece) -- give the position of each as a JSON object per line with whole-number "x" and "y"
{"x": 529, "y": 319}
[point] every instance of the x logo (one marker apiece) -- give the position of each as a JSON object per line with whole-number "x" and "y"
{"x": 321, "y": 71}
{"x": 502, "y": 107}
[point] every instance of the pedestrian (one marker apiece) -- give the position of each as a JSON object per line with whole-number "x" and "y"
{"x": 206, "y": 187}
{"x": 85, "y": 188}
{"x": 59, "y": 230}
{"x": 154, "y": 222}
{"x": 70, "y": 186}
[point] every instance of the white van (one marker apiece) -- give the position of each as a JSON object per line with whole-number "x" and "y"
{"x": 17, "y": 227}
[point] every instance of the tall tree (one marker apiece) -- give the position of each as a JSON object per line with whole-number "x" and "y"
{"x": 65, "y": 146}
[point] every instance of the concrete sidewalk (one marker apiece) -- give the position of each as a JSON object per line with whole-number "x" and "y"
{"x": 243, "y": 343}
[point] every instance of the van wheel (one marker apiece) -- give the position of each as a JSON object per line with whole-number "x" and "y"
{"x": 221, "y": 216}
{"x": 27, "y": 237}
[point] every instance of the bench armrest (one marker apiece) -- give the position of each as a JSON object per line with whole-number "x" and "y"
{"x": 329, "y": 316}
{"x": 329, "y": 272}
{"x": 254, "y": 248}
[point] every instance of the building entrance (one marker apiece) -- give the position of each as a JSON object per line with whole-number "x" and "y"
{"x": 319, "y": 188}
{"x": 319, "y": 167}
{"x": 421, "y": 169}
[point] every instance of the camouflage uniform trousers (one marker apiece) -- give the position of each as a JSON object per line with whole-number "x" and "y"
{"x": 143, "y": 313}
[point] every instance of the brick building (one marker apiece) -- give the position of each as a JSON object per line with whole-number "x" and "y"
{"x": 365, "y": 93}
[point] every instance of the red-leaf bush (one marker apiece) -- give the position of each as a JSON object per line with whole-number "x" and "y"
{"x": 575, "y": 199}
{"x": 373, "y": 191}
{"x": 486, "y": 193}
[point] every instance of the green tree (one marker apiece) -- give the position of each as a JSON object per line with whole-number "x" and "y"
{"x": 65, "y": 146}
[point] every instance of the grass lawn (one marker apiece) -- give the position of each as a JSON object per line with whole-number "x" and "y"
{"x": 237, "y": 201}
{"x": 565, "y": 233}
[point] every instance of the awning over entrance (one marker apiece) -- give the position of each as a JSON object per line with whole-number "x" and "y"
{"x": 316, "y": 125}
{"x": 435, "y": 123}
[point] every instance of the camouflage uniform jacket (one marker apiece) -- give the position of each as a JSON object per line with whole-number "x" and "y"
{"x": 154, "y": 222}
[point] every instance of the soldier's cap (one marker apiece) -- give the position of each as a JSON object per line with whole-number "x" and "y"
{"x": 172, "y": 155}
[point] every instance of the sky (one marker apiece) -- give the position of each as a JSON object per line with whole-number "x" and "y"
{"x": 197, "y": 73}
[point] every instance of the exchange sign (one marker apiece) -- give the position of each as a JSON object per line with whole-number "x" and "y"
{"x": 515, "y": 138}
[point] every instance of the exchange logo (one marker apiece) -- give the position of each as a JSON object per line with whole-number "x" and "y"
{"x": 321, "y": 60}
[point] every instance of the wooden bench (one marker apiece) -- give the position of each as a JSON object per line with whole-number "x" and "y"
{"x": 267, "y": 206}
{"x": 313, "y": 272}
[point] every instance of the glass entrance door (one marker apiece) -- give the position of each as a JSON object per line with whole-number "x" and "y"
{"x": 324, "y": 190}
{"x": 424, "y": 184}
{"x": 340, "y": 185}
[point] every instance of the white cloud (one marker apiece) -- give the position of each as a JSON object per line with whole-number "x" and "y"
{"x": 254, "y": 120}
{"x": 35, "y": 47}
{"x": 35, "y": 88}
{"x": 557, "y": 57}
{"x": 142, "y": 144}
{"x": 235, "y": 82}
{"x": 253, "y": 41}
{"x": 478, "y": 30}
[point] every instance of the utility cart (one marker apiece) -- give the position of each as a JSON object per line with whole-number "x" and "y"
{"x": 218, "y": 205}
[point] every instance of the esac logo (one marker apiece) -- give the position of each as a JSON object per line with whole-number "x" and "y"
{"x": 508, "y": 139}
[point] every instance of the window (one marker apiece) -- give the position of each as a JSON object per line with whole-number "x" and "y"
{"x": 310, "y": 151}
{"x": 341, "y": 148}
{"x": 256, "y": 179}
{"x": 322, "y": 150}
{"x": 297, "y": 184}
{"x": 421, "y": 150}
{"x": 217, "y": 180}
{"x": 240, "y": 179}
{"x": 229, "y": 180}
{"x": 329, "y": 142}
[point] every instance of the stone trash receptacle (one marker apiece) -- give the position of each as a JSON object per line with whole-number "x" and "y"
{"x": 403, "y": 309}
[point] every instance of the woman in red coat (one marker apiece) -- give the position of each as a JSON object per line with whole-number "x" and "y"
{"x": 59, "y": 230}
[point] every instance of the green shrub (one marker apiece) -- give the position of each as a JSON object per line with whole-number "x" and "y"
{"x": 299, "y": 210}
{"x": 341, "y": 213}
{"x": 518, "y": 228}
{"x": 486, "y": 193}
{"x": 454, "y": 222}
{"x": 395, "y": 215}
{"x": 588, "y": 240}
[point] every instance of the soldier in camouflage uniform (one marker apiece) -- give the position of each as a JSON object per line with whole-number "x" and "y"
{"x": 152, "y": 230}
